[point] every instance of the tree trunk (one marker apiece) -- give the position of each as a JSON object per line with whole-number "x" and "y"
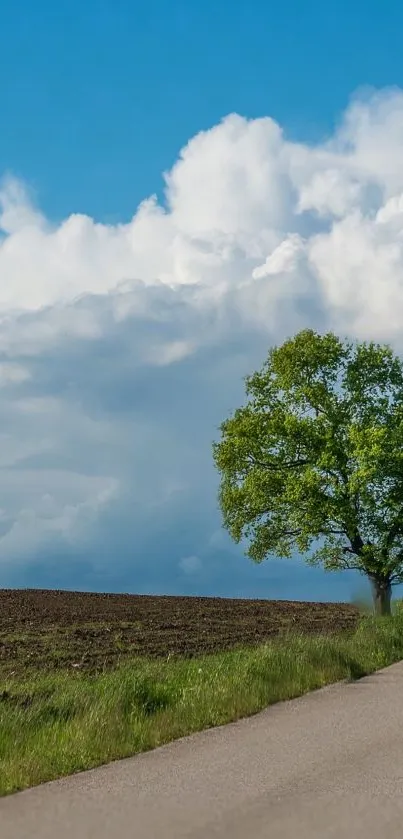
{"x": 382, "y": 595}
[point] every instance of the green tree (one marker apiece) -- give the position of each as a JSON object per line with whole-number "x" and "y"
{"x": 315, "y": 456}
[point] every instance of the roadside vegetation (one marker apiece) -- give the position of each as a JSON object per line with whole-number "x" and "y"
{"x": 63, "y": 721}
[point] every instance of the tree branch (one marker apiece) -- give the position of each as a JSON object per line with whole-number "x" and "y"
{"x": 293, "y": 464}
{"x": 356, "y": 544}
{"x": 291, "y": 533}
{"x": 348, "y": 566}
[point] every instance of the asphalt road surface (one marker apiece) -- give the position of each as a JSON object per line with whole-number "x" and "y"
{"x": 326, "y": 766}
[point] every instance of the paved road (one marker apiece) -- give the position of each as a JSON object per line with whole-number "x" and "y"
{"x": 326, "y": 766}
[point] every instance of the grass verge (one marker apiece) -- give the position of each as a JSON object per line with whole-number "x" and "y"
{"x": 56, "y": 724}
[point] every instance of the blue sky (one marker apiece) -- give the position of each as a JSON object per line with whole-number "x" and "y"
{"x": 99, "y": 97}
{"x": 272, "y": 137}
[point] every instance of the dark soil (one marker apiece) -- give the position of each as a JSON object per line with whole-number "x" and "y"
{"x": 59, "y": 629}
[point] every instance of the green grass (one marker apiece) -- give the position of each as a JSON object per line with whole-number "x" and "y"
{"x": 56, "y": 724}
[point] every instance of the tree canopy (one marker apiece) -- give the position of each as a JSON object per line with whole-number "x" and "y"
{"x": 316, "y": 455}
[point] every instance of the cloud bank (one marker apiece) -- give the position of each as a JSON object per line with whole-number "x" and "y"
{"x": 123, "y": 347}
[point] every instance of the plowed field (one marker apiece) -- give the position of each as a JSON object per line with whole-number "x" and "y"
{"x": 60, "y": 629}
